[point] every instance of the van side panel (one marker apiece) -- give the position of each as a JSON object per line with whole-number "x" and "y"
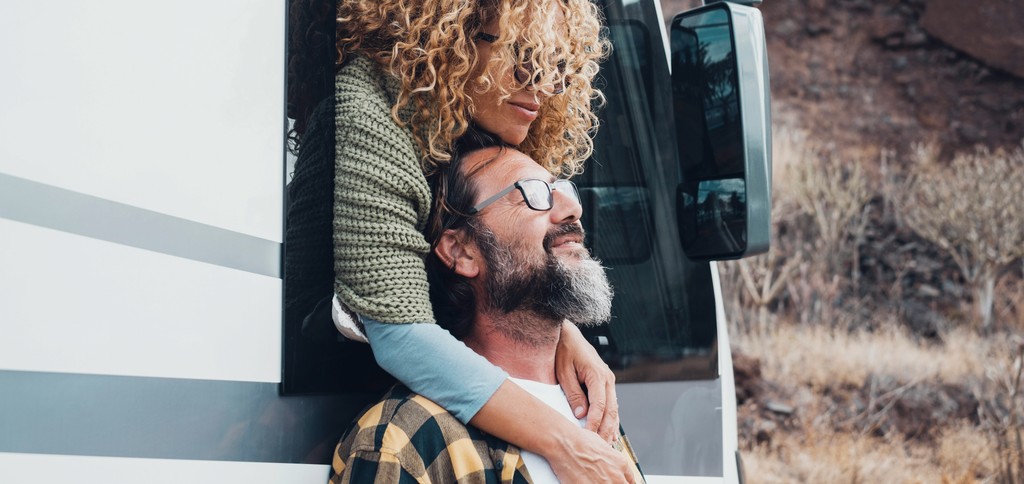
{"x": 75, "y": 304}
{"x": 43, "y": 469}
{"x": 141, "y": 186}
{"x": 175, "y": 107}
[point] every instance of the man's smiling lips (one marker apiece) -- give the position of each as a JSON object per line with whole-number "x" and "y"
{"x": 568, "y": 242}
{"x": 567, "y": 237}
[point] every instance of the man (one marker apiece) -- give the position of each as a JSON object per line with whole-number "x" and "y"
{"x": 508, "y": 268}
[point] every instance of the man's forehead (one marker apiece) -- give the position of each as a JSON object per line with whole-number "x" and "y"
{"x": 502, "y": 166}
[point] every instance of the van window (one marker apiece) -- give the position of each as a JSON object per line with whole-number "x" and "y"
{"x": 664, "y": 313}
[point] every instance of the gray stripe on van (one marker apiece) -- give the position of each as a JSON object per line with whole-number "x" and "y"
{"x": 120, "y": 416}
{"x": 77, "y": 213}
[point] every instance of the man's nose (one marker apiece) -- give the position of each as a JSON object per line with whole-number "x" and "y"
{"x": 564, "y": 207}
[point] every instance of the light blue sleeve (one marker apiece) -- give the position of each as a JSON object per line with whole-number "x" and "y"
{"x": 431, "y": 362}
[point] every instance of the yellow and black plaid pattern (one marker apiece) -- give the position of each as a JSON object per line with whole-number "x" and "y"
{"x": 406, "y": 438}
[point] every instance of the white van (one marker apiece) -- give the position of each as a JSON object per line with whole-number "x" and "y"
{"x": 143, "y": 182}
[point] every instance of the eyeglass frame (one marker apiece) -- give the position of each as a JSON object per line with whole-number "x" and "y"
{"x": 520, "y": 72}
{"x": 551, "y": 186}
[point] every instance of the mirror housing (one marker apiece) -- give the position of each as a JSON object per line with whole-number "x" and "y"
{"x": 720, "y": 90}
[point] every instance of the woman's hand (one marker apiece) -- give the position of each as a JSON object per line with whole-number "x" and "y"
{"x": 575, "y": 454}
{"x": 590, "y": 459}
{"x": 577, "y": 362}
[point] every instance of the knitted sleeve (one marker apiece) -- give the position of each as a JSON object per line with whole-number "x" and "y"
{"x": 381, "y": 203}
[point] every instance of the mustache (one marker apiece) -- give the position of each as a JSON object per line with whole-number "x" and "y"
{"x": 573, "y": 228}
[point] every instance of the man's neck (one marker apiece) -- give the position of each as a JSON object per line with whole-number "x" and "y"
{"x": 521, "y": 342}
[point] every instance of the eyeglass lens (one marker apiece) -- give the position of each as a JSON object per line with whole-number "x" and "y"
{"x": 537, "y": 193}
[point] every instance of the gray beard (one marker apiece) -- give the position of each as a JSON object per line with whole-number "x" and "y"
{"x": 533, "y": 298}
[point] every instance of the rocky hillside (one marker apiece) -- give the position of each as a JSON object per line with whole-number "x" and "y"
{"x": 873, "y": 74}
{"x": 869, "y": 363}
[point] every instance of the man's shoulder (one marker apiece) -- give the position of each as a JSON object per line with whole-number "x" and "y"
{"x": 423, "y": 438}
{"x": 414, "y": 414}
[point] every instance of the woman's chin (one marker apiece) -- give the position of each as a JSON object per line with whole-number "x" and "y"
{"x": 507, "y": 129}
{"x": 514, "y": 137}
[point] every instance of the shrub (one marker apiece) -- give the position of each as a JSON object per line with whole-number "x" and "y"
{"x": 972, "y": 210}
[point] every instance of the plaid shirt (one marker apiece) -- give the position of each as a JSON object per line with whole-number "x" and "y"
{"x": 406, "y": 438}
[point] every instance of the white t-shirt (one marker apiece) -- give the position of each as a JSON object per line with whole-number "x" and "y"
{"x": 553, "y": 396}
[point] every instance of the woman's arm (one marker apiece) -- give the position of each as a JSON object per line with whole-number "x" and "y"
{"x": 431, "y": 362}
{"x": 434, "y": 364}
{"x": 381, "y": 204}
{"x": 575, "y": 454}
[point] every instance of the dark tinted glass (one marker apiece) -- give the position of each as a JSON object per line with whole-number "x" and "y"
{"x": 709, "y": 132}
{"x": 663, "y": 316}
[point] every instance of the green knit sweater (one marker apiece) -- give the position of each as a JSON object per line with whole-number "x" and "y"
{"x": 381, "y": 202}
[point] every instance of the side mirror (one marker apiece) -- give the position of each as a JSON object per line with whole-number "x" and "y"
{"x": 722, "y": 107}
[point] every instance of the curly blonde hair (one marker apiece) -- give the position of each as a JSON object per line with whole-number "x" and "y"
{"x": 429, "y": 45}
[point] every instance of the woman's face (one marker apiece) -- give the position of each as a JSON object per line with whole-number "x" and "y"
{"x": 509, "y": 119}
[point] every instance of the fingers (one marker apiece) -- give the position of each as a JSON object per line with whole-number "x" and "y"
{"x": 603, "y": 417}
{"x": 630, "y": 477}
{"x": 574, "y": 393}
{"x": 609, "y": 429}
{"x": 598, "y": 405}
{"x": 592, "y": 460}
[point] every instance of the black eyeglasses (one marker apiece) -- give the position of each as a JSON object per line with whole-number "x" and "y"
{"x": 523, "y": 70}
{"x": 536, "y": 193}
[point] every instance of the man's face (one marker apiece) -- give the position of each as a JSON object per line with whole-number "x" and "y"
{"x": 535, "y": 259}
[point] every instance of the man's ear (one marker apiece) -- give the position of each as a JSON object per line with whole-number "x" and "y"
{"x": 456, "y": 252}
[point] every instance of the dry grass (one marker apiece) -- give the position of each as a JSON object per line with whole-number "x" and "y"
{"x": 820, "y": 356}
{"x": 962, "y": 455}
{"x": 812, "y": 361}
{"x": 857, "y": 319}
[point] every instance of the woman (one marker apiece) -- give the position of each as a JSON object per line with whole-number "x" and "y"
{"x": 413, "y": 77}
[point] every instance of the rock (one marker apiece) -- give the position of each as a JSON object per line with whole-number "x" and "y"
{"x": 778, "y": 407}
{"x": 988, "y": 30}
{"x": 927, "y": 290}
{"x": 915, "y": 38}
{"x": 884, "y": 27}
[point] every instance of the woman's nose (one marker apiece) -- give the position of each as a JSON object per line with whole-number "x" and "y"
{"x": 544, "y": 90}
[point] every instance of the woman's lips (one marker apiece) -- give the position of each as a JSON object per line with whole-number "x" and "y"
{"x": 527, "y": 110}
